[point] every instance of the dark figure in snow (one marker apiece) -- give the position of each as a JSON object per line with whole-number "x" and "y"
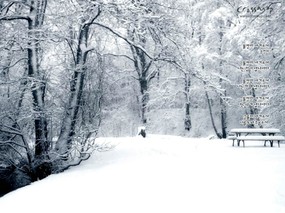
{"x": 142, "y": 133}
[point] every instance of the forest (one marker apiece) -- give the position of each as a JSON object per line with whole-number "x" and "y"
{"x": 74, "y": 70}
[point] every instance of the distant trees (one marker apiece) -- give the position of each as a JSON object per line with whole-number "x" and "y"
{"x": 210, "y": 40}
{"x": 146, "y": 28}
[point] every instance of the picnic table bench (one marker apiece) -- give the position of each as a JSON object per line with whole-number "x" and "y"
{"x": 265, "y": 134}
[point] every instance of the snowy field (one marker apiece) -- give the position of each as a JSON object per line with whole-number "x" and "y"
{"x": 162, "y": 174}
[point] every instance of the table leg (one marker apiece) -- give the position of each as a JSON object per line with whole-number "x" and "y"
{"x": 238, "y": 141}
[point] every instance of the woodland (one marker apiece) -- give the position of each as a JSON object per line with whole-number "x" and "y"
{"x": 73, "y": 70}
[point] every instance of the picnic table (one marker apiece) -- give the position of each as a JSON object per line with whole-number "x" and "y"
{"x": 255, "y": 134}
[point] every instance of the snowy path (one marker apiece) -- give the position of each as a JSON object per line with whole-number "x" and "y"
{"x": 163, "y": 174}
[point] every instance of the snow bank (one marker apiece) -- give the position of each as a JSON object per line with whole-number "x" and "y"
{"x": 163, "y": 174}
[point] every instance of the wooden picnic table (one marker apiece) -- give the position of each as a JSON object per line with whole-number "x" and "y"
{"x": 269, "y": 131}
{"x": 267, "y": 134}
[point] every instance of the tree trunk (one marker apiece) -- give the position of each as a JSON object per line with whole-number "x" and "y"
{"x": 42, "y": 166}
{"x": 187, "y": 119}
{"x": 67, "y": 132}
{"x": 144, "y": 101}
{"x": 5, "y": 74}
{"x": 76, "y": 88}
{"x": 253, "y": 110}
{"x": 222, "y": 102}
{"x": 223, "y": 110}
{"x": 211, "y": 114}
{"x": 223, "y": 118}
{"x": 142, "y": 67}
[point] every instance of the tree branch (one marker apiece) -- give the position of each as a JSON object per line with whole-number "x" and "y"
{"x": 94, "y": 18}
{"x": 128, "y": 57}
{"x": 125, "y": 39}
{"x": 10, "y": 130}
{"x": 14, "y": 149}
{"x": 11, "y": 18}
{"x": 71, "y": 49}
{"x": 11, "y": 3}
{"x": 10, "y": 66}
{"x": 7, "y": 7}
{"x": 12, "y": 142}
{"x": 77, "y": 163}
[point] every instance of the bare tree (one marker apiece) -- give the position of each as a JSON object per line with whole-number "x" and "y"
{"x": 64, "y": 142}
{"x": 34, "y": 19}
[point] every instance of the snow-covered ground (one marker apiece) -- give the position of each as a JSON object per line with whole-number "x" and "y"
{"x": 163, "y": 174}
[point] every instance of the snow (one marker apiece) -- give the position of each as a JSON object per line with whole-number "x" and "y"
{"x": 163, "y": 174}
{"x": 140, "y": 128}
{"x": 256, "y": 130}
{"x": 262, "y": 138}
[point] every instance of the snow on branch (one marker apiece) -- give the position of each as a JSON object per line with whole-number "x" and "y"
{"x": 7, "y": 7}
{"x": 86, "y": 49}
{"x": 125, "y": 39}
{"x": 14, "y": 64}
{"x": 9, "y": 143}
{"x": 9, "y": 130}
{"x": 119, "y": 55}
{"x": 11, "y": 18}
